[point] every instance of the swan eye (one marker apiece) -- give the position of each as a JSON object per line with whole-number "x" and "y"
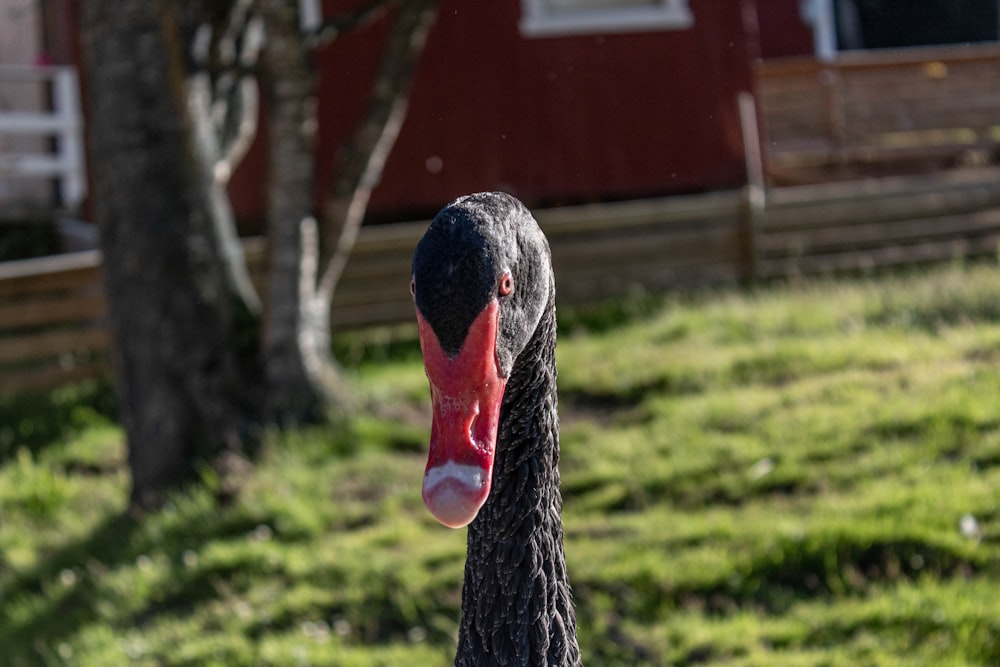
{"x": 506, "y": 284}
{"x": 413, "y": 287}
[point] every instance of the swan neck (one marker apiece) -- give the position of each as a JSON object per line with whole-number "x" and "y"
{"x": 516, "y": 601}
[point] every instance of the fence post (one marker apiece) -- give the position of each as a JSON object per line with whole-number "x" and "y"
{"x": 755, "y": 192}
{"x": 66, "y": 108}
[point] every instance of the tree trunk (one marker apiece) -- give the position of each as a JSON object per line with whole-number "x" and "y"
{"x": 301, "y": 372}
{"x": 298, "y": 364}
{"x": 182, "y": 384}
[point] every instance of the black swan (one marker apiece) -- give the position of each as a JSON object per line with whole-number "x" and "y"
{"x": 485, "y": 301}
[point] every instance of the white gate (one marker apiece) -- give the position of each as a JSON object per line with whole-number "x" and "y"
{"x": 58, "y": 155}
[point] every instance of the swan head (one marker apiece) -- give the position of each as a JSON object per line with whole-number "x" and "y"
{"x": 481, "y": 282}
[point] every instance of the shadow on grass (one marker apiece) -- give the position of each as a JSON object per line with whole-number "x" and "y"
{"x": 34, "y": 421}
{"x": 610, "y": 314}
{"x": 623, "y": 405}
{"x": 72, "y": 587}
{"x": 790, "y": 572}
{"x": 63, "y": 611}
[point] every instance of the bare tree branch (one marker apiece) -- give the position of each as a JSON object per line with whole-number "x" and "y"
{"x": 372, "y": 143}
{"x": 305, "y": 265}
{"x": 223, "y": 112}
{"x": 333, "y": 27}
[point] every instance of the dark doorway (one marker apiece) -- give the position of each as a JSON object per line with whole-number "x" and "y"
{"x": 881, "y": 24}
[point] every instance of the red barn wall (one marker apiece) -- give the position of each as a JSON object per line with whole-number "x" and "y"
{"x": 551, "y": 120}
{"x": 782, "y": 30}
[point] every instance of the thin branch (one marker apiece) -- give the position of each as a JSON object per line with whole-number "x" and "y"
{"x": 245, "y": 129}
{"x": 372, "y": 143}
{"x": 223, "y": 113}
{"x": 243, "y": 126}
{"x": 333, "y": 27}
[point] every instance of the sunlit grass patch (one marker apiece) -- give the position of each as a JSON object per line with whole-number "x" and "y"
{"x": 793, "y": 475}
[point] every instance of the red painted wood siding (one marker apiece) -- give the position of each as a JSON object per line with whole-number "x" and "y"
{"x": 782, "y": 30}
{"x": 551, "y": 120}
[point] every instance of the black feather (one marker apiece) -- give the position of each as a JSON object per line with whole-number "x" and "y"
{"x": 516, "y": 602}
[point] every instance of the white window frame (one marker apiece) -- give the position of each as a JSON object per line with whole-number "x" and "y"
{"x": 540, "y": 19}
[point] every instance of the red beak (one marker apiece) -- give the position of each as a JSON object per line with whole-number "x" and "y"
{"x": 466, "y": 392}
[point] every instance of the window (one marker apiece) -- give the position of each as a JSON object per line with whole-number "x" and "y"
{"x": 540, "y": 18}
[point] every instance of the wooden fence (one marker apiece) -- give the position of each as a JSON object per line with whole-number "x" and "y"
{"x": 52, "y": 310}
{"x": 52, "y": 321}
{"x": 869, "y": 108}
{"x": 814, "y": 116}
{"x": 859, "y": 225}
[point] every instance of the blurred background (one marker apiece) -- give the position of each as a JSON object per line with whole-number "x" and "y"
{"x": 788, "y": 211}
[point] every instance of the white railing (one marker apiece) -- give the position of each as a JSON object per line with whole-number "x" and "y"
{"x": 63, "y": 122}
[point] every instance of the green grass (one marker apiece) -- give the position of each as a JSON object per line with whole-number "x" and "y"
{"x": 797, "y": 475}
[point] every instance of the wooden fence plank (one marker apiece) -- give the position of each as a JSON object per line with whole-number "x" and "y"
{"x": 28, "y": 276}
{"x": 878, "y": 107}
{"x": 882, "y": 257}
{"x": 574, "y": 286}
{"x": 890, "y": 206}
{"x": 50, "y": 311}
{"x": 881, "y": 233}
{"x": 596, "y": 254}
{"x": 373, "y": 292}
{"x": 401, "y": 237}
{"x": 817, "y": 194}
{"x": 599, "y": 251}
{"x": 53, "y": 344}
{"x": 572, "y": 220}
{"x": 373, "y": 314}
{"x": 373, "y": 265}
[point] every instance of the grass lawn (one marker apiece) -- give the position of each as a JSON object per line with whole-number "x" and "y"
{"x": 799, "y": 475}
